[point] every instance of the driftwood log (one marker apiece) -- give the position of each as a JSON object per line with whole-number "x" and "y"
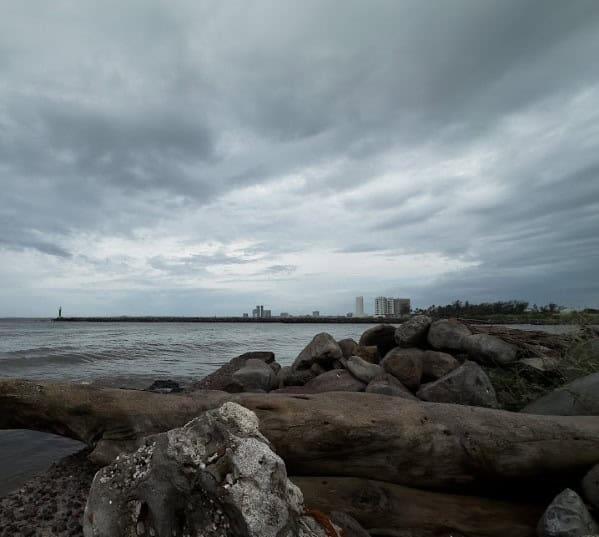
{"x": 383, "y": 507}
{"x": 423, "y": 445}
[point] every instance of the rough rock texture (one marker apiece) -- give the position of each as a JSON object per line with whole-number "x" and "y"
{"x": 466, "y": 385}
{"x": 222, "y": 378}
{"x": 437, "y": 364}
{"x": 567, "y": 516}
{"x": 363, "y": 370}
{"x": 413, "y": 332}
{"x": 447, "y": 335}
{"x": 51, "y": 504}
{"x": 590, "y": 486}
{"x": 348, "y": 347}
{"x": 215, "y": 476}
{"x": 405, "y": 365}
{"x": 254, "y": 376}
{"x": 290, "y": 377}
{"x": 382, "y": 335}
{"x": 387, "y": 384}
{"x": 488, "y": 349}
{"x": 541, "y": 364}
{"x": 370, "y": 353}
{"x": 577, "y": 398}
{"x": 337, "y": 380}
{"x": 323, "y": 349}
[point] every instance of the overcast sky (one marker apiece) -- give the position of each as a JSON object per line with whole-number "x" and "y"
{"x": 201, "y": 157}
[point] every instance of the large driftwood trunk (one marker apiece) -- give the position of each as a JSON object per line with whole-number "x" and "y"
{"x": 384, "y": 506}
{"x": 424, "y": 445}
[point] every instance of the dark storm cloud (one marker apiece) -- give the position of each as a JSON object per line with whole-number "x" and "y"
{"x": 159, "y": 118}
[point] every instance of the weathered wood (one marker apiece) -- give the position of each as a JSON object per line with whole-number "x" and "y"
{"x": 385, "y": 506}
{"x": 425, "y": 445}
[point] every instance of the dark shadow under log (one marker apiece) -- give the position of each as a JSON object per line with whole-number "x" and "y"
{"x": 423, "y": 445}
{"x": 384, "y": 506}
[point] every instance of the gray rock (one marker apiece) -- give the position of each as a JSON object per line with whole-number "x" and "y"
{"x": 370, "y": 353}
{"x": 540, "y": 364}
{"x": 348, "y": 347}
{"x": 405, "y": 365}
{"x": 363, "y": 370}
{"x": 255, "y": 376}
{"x": 466, "y": 385}
{"x": 222, "y": 378}
{"x": 488, "y": 349}
{"x": 447, "y": 335}
{"x": 590, "y": 486}
{"x": 323, "y": 349}
{"x": 567, "y": 516}
{"x": 577, "y": 398}
{"x": 215, "y": 476}
{"x": 317, "y": 369}
{"x": 382, "y": 335}
{"x": 413, "y": 332}
{"x": 386, "y": 384}
{"x": 337, "y": 380}
{"x": 348, "y": 524}
{"x": 436, "y": 364}
{"x": 290, "y": 377}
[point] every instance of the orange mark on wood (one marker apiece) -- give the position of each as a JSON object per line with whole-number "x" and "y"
{"x": 325, "y": 522}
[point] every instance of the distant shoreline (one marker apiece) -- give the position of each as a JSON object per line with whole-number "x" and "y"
{"x": 283, "y": 320}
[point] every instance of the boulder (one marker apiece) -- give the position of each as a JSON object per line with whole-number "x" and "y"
{"x": 447, "y": 335}
{"x": 590, "y": 486}
{"x": 290, "y": 377}
{"x": 370, "y": 353}
{"x": 436, "y": 364}
{"x": 386, "y": 384}
{"x": 348, "y": 347}
{"x": 323, "y": 350}
{"x": 577, "y": 398}
{"x": 363, "y": 370}
{"x": 316, "y": 369}
{"x": 350, "y": 526}
{"x": 405, "y": 365}
{"x": 382, "y": 335}
{"x": 466, "y": 385}
{"x": 254, "y": 376}
{"x": 222, "y": 378}
{"x": 215, "y": 476}
{"x": 488, "y": 349}
{"x": 337, "y": 380}
{"x": 413, "y": 332}
{"x": 567, "y": 516}
{"x": 540, "y": 364}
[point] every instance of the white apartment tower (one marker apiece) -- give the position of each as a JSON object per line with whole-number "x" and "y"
{"x": 391, "y": 306}
{"x": 359, "y": 306}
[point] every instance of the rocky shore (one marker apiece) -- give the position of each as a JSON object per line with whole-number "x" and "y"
{"x": 402, "y": 433}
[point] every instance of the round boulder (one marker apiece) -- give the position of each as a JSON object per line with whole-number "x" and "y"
{"x": 413, "y": 332}
{"x": 405, "y": 365}
{"x": 363, "y": 370}
{"x": 447, "y": 335}
{"x": 466, "y": 385}
{"x": 348, "y": 347}
{"x": 337, "y": 380}
{"x": 323, "y": 350}
{"x": 489, "y": 349}
{"x": 386, "y": 384}
{"x": 255, "y": 376}
{"x": 382, "y": 335}
{"x": 436, "y": 364}
{"x": 567, "y": 516}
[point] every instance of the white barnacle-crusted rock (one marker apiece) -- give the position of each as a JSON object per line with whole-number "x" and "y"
{"x": 216, "y": 476}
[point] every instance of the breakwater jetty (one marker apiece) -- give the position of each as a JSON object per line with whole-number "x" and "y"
{"x": 285, "y": 320}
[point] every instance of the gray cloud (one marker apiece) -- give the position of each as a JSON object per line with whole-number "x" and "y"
{"x": 458, "y": 141}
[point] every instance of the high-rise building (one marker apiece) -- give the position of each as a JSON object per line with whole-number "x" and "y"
{"x": 389, "y": 306}
{"x": 359, "y": 306}
{"x": 258, "y": 312}
{"x": 315, "y": 314}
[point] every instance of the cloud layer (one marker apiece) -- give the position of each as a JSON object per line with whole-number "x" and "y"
{"x": 202, "y": 157}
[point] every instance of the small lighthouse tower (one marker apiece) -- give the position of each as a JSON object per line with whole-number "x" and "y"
{"x": 60, "y": 312}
